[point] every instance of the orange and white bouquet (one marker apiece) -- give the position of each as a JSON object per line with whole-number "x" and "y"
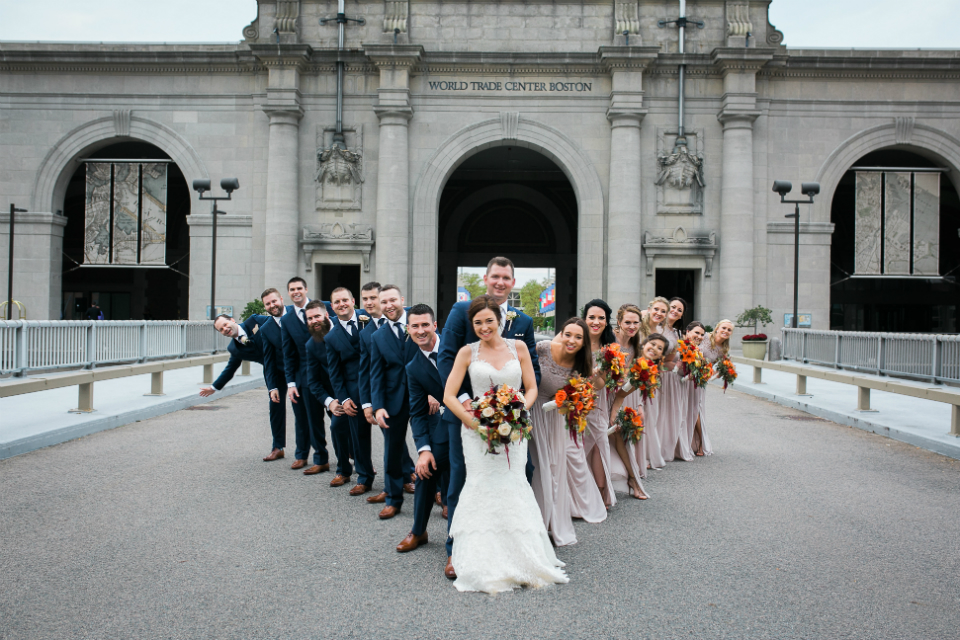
{"x": 574, "y": 401}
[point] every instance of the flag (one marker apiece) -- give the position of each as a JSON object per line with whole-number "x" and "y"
{"x": 463, "y": 295}
{"x": 548, "y": 299}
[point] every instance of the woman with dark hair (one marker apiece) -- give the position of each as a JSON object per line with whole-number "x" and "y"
{"x": 560, "y": 359}
{"x": 671, "y": 399}
{"x": 596, "y": 445}
{"x": 653, "y": 317}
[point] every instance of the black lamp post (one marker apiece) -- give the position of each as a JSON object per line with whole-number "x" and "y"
{"x": 808, "y": 189}
{"x": 202, "y": 186}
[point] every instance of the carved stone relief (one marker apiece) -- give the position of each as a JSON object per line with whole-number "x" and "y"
{"x": 627, "y": 19}
{"x": 288, "y": 12}
{"x": 339, "y": 173}
{"x": 680, "y": 242}
{"x": 739, "y": 26}
{"x": 679, "y": 179}
{"x": 337, "y": 237}
{"x": 395, "y": 16}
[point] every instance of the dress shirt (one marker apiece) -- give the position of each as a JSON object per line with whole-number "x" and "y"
{"x": 241, "y": 334}
{"x": 377, "y": 322}
{"x": 301, "y": 311}
{"x": 346, "y": 326}
{"x": 435, "y": 351}
{"x": 402, "y": 322}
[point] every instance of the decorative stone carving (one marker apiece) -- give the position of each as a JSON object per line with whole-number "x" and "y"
{"x": 339, "y": 172}
{"x": 395, "y": 16}
{"x": 121, "y": 122}
{"x": 904, "y": 129}
{"x": 337, "y": 237}
{"x": 627, "y": 18}
{"x": 252, "y": 31}
{"x": 680, "y": 242}
{"x": 739, "y": 26}
{"x": 774, "y": 36}
{"x": 679, "y": 180}
{"x": 288, "y": 12}
{"x": 509, "y": 122}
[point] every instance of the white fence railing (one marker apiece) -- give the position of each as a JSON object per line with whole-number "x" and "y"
{"x": 46, "y": 345}
{"x": 934, "y": 357}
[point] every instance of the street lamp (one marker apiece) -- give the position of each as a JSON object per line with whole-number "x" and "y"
{"x": 202, "y": 186}
{"x": 808, "y": 189}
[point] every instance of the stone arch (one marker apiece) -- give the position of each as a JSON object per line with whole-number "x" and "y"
{"x": 62, "y": 160}
{"x": 522, "y": 132}
{"x": 922, "y": 139}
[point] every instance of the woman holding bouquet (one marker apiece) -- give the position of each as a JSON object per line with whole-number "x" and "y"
{"x": 626, "y": 468}
{"x": 672, "y": 406}
{"x": 655, "y": 314}
{"x": 693, "y": 393}
{"x": 596, "y": 445}
{"x": 499, "y": 540}
{"x": 563, "y": 358}
{"x": 715, "y": 345}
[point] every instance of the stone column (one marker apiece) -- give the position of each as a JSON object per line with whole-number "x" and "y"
{"x": 37, "y": 263}
{"x": 623, "y": 264}
{"x": 392, "y": 234}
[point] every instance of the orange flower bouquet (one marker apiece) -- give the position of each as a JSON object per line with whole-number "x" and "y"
{"x": 574, "y": 401}
{"x": 693, "y": 365}
{"x": 630, "y": 423}
{"x": 612, "y": 362}
{"x": 643, "y": 376}
{"x": 726, "y": 372}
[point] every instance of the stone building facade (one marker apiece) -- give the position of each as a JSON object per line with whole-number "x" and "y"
{"x": 545, "y": 130}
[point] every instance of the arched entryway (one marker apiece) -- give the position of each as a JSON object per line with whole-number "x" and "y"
{"x": 511, "y": 201}
{"x": 158, "y": 291}
{"x": 903, "y": 202}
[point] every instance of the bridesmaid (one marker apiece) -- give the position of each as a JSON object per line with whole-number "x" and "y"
{"x": 596, "y": 445}
{"x": 715, "y": 345}
{"x": 655, "y": 314}
{"x": 560, "y": 359}
{"x": 692, "y": 393}
{"x": 672, "y": 407}
{"x": 626, "y": 468}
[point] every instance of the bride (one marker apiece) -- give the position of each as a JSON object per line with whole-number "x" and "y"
{"x": 499, "y": 541}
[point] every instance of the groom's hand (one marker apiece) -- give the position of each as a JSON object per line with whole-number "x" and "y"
{"x": 275, "y": 396}
{"x": 382, "y": 417}
{"x": 368, "y": 414}
{"x": 434, "y": 404}
{"x": 425, "y": 463}
{"x": 350, "y": 407}
{"x": 293, "y": 394}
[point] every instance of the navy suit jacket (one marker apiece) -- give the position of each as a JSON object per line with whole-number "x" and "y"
{"x": 273, "y": 372}
{"x": 457, "y": 333}
{"x": 388, "y": 370}
{"x": 252, "y": 351}
{"x": 343, "y": 362}
{"x": 363, "y": 373}
{"x": 294, "y": 337}
{"x": 318, "y": 378}
{"x": 423, "y": 380}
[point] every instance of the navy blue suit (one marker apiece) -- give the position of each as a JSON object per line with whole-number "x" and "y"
{"x": 363, "y": 375}
{"x": 307, "y": 411}
{"x": 318, "y": 381}
{"x": 389, "y": 356}
{"x": 456, "y": 334}
{"x": 275, "y": 379}
{"x": 423, "y": 379}
{"x": 343, "y": 363}
{"x": 252, "y": 351}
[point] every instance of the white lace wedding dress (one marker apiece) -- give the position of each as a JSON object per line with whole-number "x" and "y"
{"x": 499, "y": 541}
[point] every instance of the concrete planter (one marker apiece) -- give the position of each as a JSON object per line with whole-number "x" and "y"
{"x": 756, "y": 349}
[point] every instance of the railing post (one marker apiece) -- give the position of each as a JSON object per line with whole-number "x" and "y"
{"x": 863, "y": 400}
{"x": 801, "y": 385}
{"x": 758, "y": 375}
{"x": 183, "y": 339}
{"x": 208, "y": 374}
{"x": 245, "y": 368}
{"x": 836, "y": 353}
{"x": 156, "y": 384}
{"x": 21, "y": 364}
{"x": 937, "y": 358}
{"x": 879, "y": 354}
{"x": 803, "y": 346}
{"x": 85, "y": 401}
{"x": 143, "y": 342}
{"x": 91, "y": 345}
{"x": 955, "y": 420}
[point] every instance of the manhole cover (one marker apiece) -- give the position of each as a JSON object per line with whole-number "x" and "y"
{"x": 204, "y": 407}
{"x": 804, "y": 418}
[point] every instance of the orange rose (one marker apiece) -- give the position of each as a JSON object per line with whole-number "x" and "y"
{"x": 560, "y": 397}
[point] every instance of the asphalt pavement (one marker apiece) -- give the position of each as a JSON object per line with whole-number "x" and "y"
{"x": 174, "y": 528}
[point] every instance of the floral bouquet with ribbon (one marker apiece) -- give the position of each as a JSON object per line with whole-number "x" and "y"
{"x": 726, "y": 372}
{"x": 574, "y": 401}
{"x": 643, "y": 376}
{"x": 503, "y": 418}
{"x": 630, "y": 423}
{"x": 693, "y": 365}
{"x": 612, "y": 362}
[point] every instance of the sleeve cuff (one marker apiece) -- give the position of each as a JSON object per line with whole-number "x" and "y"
{"x": 366, "y": 405}
{"x": 291, "y": 385}
{"x": 328, "y": 402}
{"x": 463, "y": 397}
{"x": 271, "y": 390}
{"x": 425, "y": 447}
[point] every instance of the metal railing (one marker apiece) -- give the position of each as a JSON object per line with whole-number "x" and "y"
{"x": 49, "y": 345}
{"x": 933, "y": 357}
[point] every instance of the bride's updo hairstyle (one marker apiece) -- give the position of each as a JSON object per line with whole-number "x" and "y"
{"x": 582, "y": 362}
{"x": 480, "y": 303}
{"x": 607, "y": 337}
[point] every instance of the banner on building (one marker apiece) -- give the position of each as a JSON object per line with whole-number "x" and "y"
{"x": 462, "y": 294}
{"x": 548, "y": 299}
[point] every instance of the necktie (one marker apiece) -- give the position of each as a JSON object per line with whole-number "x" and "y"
{"x": 399, "y": 328}
{"x": 300, "y": 315}
{"x": 433, "y": 356}
{"x": 353, "y": 328}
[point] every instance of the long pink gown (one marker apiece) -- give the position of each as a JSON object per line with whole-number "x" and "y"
{"x": 696, "y": 403}
{"x": 548, "y": 450}
{"x": 672, "y": 411}
{"x": 618, "y": 472}
{"x": 596, "y": 446}
{"x": 652, "y": 451}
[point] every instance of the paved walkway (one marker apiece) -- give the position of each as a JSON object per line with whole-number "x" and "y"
{"x": 34, "y": 420}
{"x": 174, "y": 528}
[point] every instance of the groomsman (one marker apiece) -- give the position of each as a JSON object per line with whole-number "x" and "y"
{"x": 272, "y": 341}
{"x": 318, "y": 382}
{"x": 390, "y": 351}
{"x": 370, "y": 321}
{"x": 514, "y": 325}
{"x": 343, "y": 361}
{"x": 430, "y": 434}
{"x": 307, "y": 410}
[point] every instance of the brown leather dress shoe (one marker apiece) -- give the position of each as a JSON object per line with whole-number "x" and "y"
{"x": 439, "y": 499}
{"x": 339, "y": 480}
{"x": 411, "y": 542}
{"x": 298, "y": 464}
{"x": 380, "y": 497}
{"x": 315, "y": 469}
{"x": 448, "y": 570}
{"x": 444, "y": 512}
{"x": 389, "y": 511}
{"x": 276, "y": 454}
{"x": 359, "y": 490}
{"x": 410, "y": 487}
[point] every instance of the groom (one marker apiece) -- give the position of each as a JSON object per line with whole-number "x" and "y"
{"x": 514, "y": 325}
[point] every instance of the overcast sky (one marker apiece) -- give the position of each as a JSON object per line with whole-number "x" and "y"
{"x": 805, "y": 23}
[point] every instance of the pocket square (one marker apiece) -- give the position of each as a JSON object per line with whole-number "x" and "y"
{"x": 256, "y": 328}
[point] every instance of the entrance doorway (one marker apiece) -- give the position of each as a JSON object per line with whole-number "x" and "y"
{"x": 331, "y": 276}
{"x": 514, "y": 202}
{"x": 679, "y": 283}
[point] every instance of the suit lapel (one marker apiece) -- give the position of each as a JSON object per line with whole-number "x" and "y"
{"x": 434, "y": 374}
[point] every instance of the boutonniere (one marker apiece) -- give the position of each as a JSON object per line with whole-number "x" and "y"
{"x": 244, "y": 340}
{"x": 510, "y": 316}
{"x": 364, "y": 320}
{"x": 406, "y": 333}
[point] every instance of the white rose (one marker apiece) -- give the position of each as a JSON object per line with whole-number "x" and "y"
{"x": 486, "y": 413}
{"x": 504, "y": 429}
{"x": 515, "y": 436}
{"x": 521, "y": 398}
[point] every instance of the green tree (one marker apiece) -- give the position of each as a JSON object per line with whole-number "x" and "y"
{"x": 473, "y": 282}
{"x": 530, "y": 298}
{"x": 752, "y": 317}
{"x": 254, "y": 307}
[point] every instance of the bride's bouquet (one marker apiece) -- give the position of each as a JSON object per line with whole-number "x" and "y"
{"x": 503, "y": 418}
{"x": 574, "y": 401}
{"x": 726, "y": 372}
{"x": 630, "y": 423}
{"x": 643, "y": 376}
{"x": 612, "y": 362}
{"x": 693, "y": 365}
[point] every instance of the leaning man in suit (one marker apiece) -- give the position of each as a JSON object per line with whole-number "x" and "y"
{"x": 318, "y": 382}
{"x": 430, "y": 434}
{"x": 273, "y": 374}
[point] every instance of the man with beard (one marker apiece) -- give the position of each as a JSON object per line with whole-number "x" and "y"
{"x": 318, "y": 383}
{"x": 272, "y": 341}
